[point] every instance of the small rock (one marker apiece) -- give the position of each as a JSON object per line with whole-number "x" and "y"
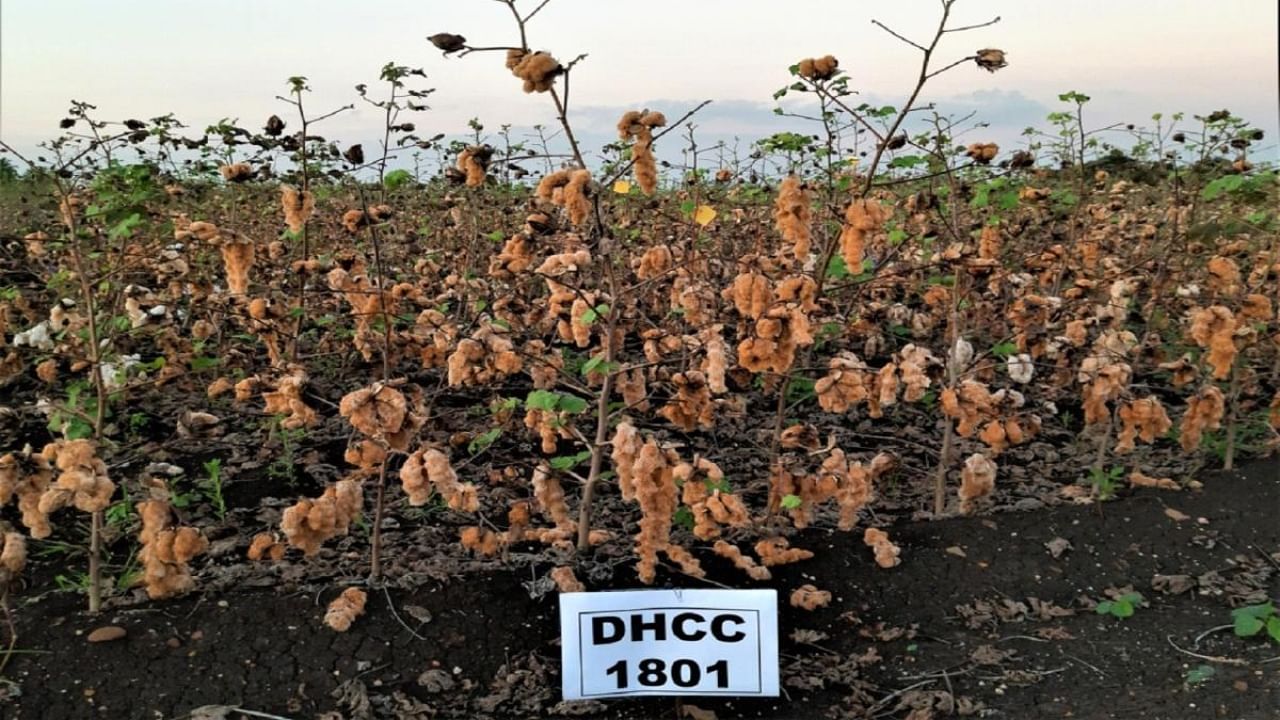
{"x": 436, "y": 681}
{"x": 107, "y": 633}
{"x": 1058, "y": 546}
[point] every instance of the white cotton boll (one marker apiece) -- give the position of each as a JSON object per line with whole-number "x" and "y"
{"x": 1187, "y": 291}
{"x": 1021, "y": 368}
{"x": 961, "y": 354}
{"x": 36, "y": 336}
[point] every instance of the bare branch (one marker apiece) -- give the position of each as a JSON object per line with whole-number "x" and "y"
{"x": 988, "y": 23}
{"x": 887, "y": 29}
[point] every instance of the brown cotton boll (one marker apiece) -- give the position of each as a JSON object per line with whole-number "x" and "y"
{"x": 310, "y": 523}
{"x": 236, "y": 172}
{"x": 861, "y": 217}
{"x": 344, "y": 610}
{"x": 165, "y": 551}
{"x": 629, "y": 124}
{"x": 480, "y": 541}
{"x": 576, "y": 200}
{"x": 845, "y": 386}
{"x": 264, "y": 546}
{"x": 13, "y": 557}
{"x": 800, "y": 436}
{"x": 474, "y": 162}
{"x": 752, "y": 294}
{"x": 353, "y": 220}
{"x": 977, "y": 480}
{"x": 792, "y": 215}
{"x": 990, "y": 59}
{"x": 692, "y": 405}
{"x": 777, "y": 551}
{"x": 566, "y": 581}
{"x": 538, "y": 70}
{"x": 626, "y": 446}
{"x": 684, "y": 560}
{"x": 1257, "y": 307}
{"x": 886, "y": 552}
{"x": 808, "y": 597}
{"x": 376, "y": 411}
{"x": 653, "y": 119}
{"x": 1215, "y": 329}
{"x": 237, "y": 260}
{"x": 1205, "y": 411}
{"x": 817, "y": 69}
{"x": 1143, "y": 419}
{"x": 1138, "y": 479}
{"x": 741, "y": 561}
{"x": 298, "y": 207}
{"x": 982, "y": 153}
{"x": 47, "y": 371}
{"x": 551, "y": 500}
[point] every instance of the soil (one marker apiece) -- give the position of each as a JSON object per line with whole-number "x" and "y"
{"x": 986, "y": 617}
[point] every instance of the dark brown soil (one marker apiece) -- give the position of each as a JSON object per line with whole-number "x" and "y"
{"x": 979, "y": 620}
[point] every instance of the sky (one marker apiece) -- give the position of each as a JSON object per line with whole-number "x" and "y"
{"x": 207, "y": 60}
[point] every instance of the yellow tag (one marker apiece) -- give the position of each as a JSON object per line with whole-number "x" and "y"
{"x": 622, "y": 187}
{"x": 704, "y": 214}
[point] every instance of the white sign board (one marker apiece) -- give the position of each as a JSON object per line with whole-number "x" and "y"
{"x": 669, "y": 642}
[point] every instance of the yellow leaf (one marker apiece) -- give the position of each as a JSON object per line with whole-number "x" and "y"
{"x": 622, "y": 187}
{"x": 704, "y": 214}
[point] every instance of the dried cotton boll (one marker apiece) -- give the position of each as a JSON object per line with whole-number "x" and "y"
{"x": 298, "y": 207}
{"x": 376, "y": 411}
{"x": 236, "y": 172}
{"x": 13, "y": 557}
{"x": 1145, "y": 419}
{"x": 977, "y": 480}
{"x": 344, "y": 610}
{"x": 1020, "y": 367}
{"x": 990, "y": 59}
{"x": 887, "y": 554}
{"x": 792, "y": 215}
{"x": 1215, "y": 329}
{"x": 863, "y": 216}
{"x": 566, "y": 581}
{"x": 982, "y": 153}
{"x": 777, "y": 551}
{"x": 741, "y": 561}
{"x": 474, "y": 162}
{"x": 310, "y": 523}
{"x": 538, "y": 70}
{"x": 823, "y": 68}
{"x": 808, "y": 597}
{"x": 165, "y": 552}
{"x": 1204, "y": 412}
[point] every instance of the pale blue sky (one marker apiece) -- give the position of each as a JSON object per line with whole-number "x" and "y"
{"x": 207, "y": 60}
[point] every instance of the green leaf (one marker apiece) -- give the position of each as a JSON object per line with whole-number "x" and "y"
{"x": 397, "y": 178}
{"x": 683, "y": 517}
{"x": 1200, "y": 674}
{"x": 572, "y": 404}
{"x": 200, "y": 362}
{"x": 837, "y": 269}
{"x": 791, "y": 502}
{"x": 1122, "y": 609}
{"x": 541, "y": 400}
{"x": 567, "y": 462}
{"x": 597, "y": 364}
{"x": 481, "y": 442}
{"x": 1273, "y": 628}
{"x": 1248, "y": 626}
{"x": 1004, "y": 350}
{"x": 1104, "y": 607}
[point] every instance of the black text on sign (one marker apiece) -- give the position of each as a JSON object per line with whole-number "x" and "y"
{"x": 669, "y": 642}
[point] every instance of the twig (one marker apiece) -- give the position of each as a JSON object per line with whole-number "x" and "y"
{"x": 1210, "y": 658}
{"x": 1210, "y": 631}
